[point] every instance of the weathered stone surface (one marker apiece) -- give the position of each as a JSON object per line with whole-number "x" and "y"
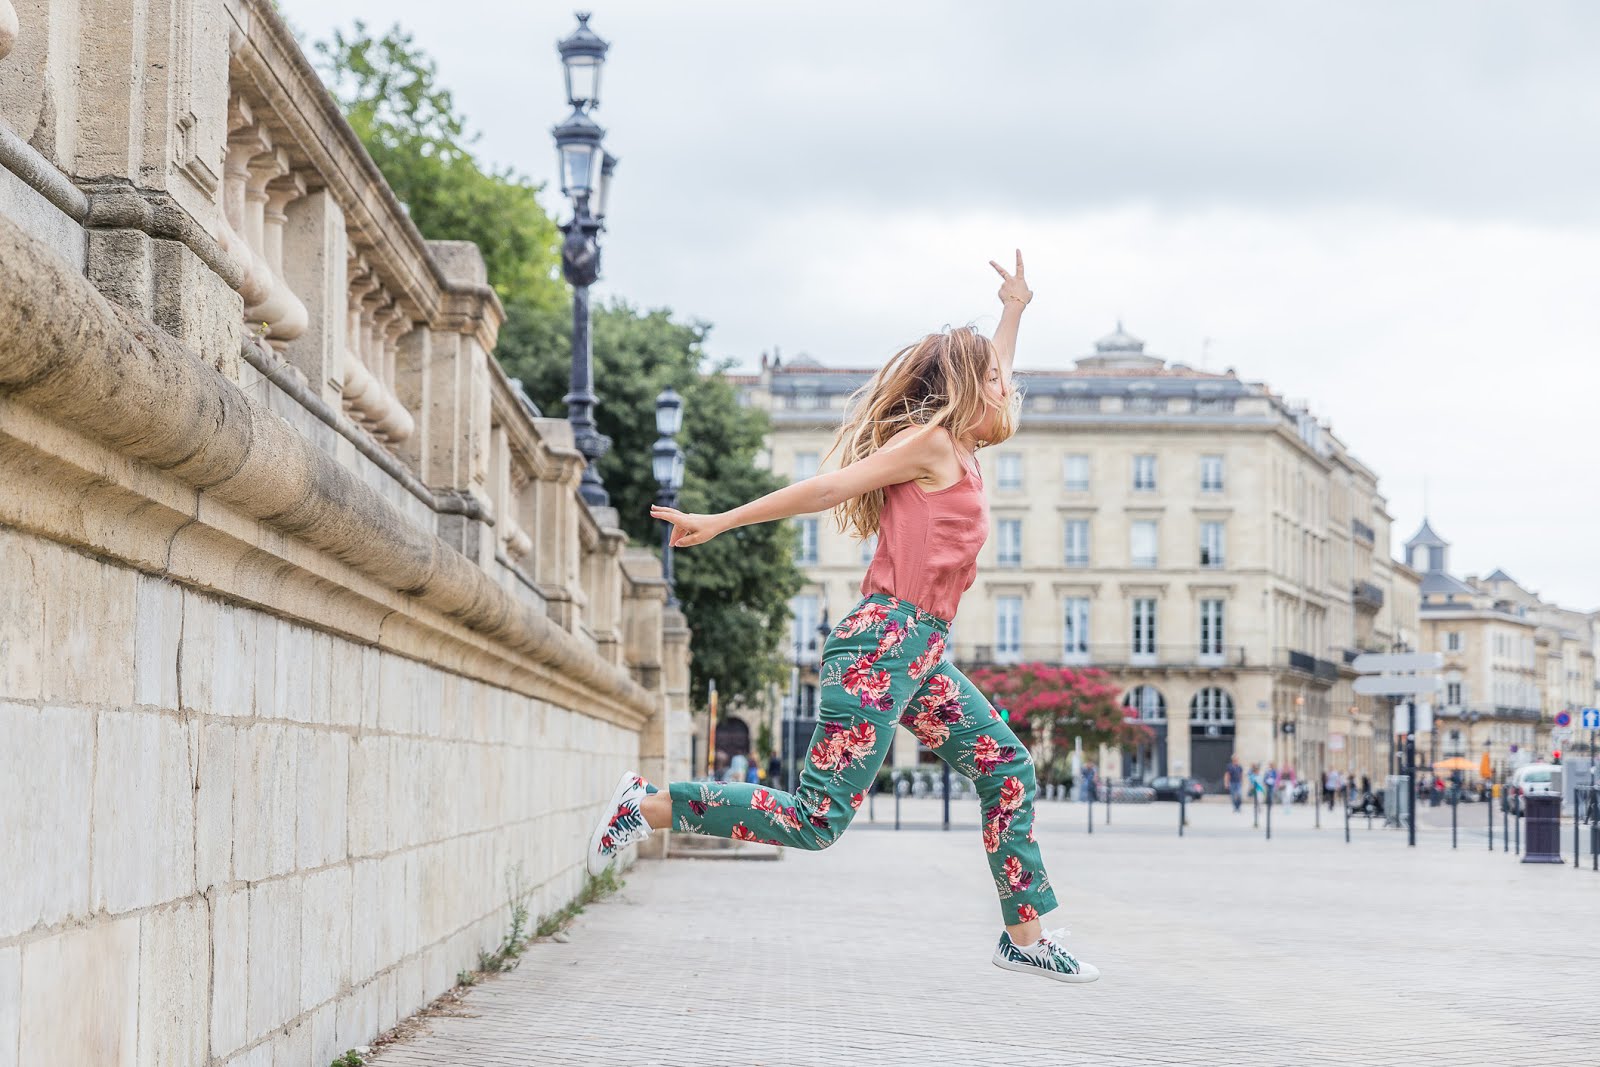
{"x": 47, "y": 761}
{"x": 174, "y": 985}
{"x": 276, "y": 909}
{"x": 10, "y": 1004}
{"x": 230, "y": 969}
{"x": 143, "y": 811}
{"x": 80, "y": 995}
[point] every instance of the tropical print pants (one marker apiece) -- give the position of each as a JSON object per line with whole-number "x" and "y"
{"x": 882, "y": 665}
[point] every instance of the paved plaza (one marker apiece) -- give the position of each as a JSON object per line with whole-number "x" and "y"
{"x": 1217, "y": 948}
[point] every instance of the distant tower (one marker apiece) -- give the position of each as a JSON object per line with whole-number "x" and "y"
{"x": 1437, "y": 556}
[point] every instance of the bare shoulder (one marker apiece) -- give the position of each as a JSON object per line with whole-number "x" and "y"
{"x": 934, "y": 451}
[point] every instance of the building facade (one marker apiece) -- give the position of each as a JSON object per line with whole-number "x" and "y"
{"x": 1215, "y": 548}
{"x": 1512, "y": 661}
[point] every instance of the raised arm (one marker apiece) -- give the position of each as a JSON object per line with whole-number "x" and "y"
{"x": 1014, "y": 296}
{"x": 909, "y": 454}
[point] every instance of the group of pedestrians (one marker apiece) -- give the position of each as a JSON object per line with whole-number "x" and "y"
{"x": 1282, "y": 785}
{"x": 741, "y": 768}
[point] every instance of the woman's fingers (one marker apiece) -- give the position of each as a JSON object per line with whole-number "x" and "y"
{"x": 1019, "y": 262}
{"x": 1000, "y": 270}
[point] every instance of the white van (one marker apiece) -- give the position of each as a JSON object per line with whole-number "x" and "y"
{"x": 1536, "y": 779}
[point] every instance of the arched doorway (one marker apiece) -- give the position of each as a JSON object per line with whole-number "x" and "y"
{"x": 1142, "y": 762}
{"x": 1210, "y": 736}
{"x": 733, "y": 737}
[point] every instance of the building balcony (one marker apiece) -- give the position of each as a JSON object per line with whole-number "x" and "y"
{"x": 1486, "y": 712}
{"x": 1362, "y": 531}
{"x": 1367, "y": 596}
{"x": 1106, "y": 657}
{"x": 1321, "y": 670}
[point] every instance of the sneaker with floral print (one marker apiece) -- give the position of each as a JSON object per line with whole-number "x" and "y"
{"x": 621, "y": 823}
{"x": 1049, "y": 957}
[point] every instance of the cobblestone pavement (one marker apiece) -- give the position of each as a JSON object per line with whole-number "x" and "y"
{"x": 1217, "y": 948}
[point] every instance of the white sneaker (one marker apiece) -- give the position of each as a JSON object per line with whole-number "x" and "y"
{"x": 1048, "y": 958}
{"x": 621, "y": 824}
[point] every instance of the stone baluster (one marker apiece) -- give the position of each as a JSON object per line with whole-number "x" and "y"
{"x": 8, "y": 27}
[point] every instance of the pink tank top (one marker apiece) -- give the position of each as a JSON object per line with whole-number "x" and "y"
{"x": 928, "y": 542}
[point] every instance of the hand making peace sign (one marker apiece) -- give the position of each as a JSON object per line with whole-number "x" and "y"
{"x": 1015, "y": 286}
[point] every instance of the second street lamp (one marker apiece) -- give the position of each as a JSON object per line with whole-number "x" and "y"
{"x": 666, "y": 462}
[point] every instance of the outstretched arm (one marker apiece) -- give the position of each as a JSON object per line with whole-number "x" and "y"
{"x": 1014, "y": 296}
{"x": 909, "y": 454}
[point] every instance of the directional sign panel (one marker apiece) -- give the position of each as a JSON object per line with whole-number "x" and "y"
{"x": 1373, "y": 662}
{"x": 1397, "y": 684}
{"x": 1591, "y": 718}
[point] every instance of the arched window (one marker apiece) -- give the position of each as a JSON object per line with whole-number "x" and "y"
{"x": 1211, "y": 712}
{"x": 1148, "y": 702}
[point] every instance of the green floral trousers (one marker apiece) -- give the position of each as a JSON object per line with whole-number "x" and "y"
{"x": 881, "y": 665}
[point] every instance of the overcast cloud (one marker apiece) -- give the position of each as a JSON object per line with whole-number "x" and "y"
{"x": 1388, "y": 209}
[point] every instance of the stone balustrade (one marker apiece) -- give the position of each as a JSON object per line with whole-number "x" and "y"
{"x": 308, "y": 642}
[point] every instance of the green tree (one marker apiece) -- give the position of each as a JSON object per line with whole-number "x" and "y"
{"x": 734, "y": 589}
{"x": 389, "y": 92}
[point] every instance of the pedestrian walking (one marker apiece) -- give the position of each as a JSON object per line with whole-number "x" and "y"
{"x": 1233, "y": 778}
{"x": 909, "y": 474}
{"x": 737, "y": 766}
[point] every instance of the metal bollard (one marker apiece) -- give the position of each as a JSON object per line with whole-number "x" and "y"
{"x": 1182, "y": 803}
{"x": 1455, "y": 802}
{"x": 1490, "y": 805}
{"x": 1108, "y": 803}
{"x": 1269, "y": 814}
{"x": 1346, "y": 792}
{"x": 1577, "y": 858}
{"x": 945, "y": 778}
{"x": 1518, "y": 825}
{"x": 1088, "y": 807}
{"x": 872, "y": 796}
{"x": 896, "y": 803}
{"x": 1255, "y": 810}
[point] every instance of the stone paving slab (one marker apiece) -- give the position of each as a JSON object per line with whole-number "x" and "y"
{"x": 1217, "y": 948}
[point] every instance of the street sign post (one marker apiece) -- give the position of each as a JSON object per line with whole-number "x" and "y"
{"x": 1591, "y": 718}
{"x": 1408, "y": 675}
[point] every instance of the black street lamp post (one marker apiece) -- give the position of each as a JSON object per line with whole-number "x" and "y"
{"x": 585, "y": 168}
{"x": 666, "y": 461}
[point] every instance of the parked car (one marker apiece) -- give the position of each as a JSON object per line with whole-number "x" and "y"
{"x": 1167, "y": 787}
{"x": 1537, "y": 779}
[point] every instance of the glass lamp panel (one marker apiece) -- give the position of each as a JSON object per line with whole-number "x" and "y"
{"x": 583, "y": 80}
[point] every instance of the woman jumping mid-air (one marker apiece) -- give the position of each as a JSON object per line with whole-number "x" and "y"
{"x": 908, "y": 474}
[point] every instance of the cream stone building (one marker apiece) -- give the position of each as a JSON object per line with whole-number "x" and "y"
{"x": 1215, "y": 548}
{"x": 1512, "y": 659}
{"x": 312, "y": 657}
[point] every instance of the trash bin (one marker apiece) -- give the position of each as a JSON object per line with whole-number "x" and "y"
{"x": 1542, "y": 815}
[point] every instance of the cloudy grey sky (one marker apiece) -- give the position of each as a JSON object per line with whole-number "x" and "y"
{"x": 1390, "y": 209}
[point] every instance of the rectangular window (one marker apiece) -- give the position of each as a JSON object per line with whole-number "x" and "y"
{"x": 1077, "y": 542}
{"x": 1010, "y": 531}
{"x": 1144, "y": 472}
{"x": 1211, "y": 628}
{"x": 1144, "y": 628}
{"x": 1211, "y": 544}
{"x": 1142, "y": 547}
{"x": 808, "y": 542}
{"x": 1211, "y": 474}
{"x": 1076, "y": 647}
{"x": 805, "y": 465}
{"x": 1452, "y": 693}
{"x": 1075, "y": 473}
{"x": 1008, "y": 628}
{"x": 804, "y": 641}
{"x": 1452, "y": 641}
{"x": 869, "y": 548}
{"x": 1009, "y": 470}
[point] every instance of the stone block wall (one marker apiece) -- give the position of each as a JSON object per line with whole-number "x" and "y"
{"x": 308, "y": 643}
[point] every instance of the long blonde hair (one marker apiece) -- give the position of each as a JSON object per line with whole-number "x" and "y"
{"x": 938, "y": 381}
